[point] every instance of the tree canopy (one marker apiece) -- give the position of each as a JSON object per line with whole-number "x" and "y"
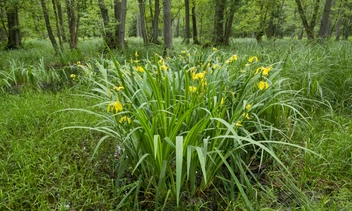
{"x": 211, "y": 21}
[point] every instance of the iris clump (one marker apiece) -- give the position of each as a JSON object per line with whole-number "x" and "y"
{"x": 197, "y": 122}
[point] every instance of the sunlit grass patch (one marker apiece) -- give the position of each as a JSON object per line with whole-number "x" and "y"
{"x": 42, "y": 168}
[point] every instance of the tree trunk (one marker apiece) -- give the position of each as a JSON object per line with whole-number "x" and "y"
{"x": 48, "y": 26}
{"x": 314, "y": 18}
{"x": 156, "y": 23}
{"x": 3, "y": 29}
{"x": 108, "y": 36}
{"x": 142, "y": 21}
{"x": 324, "y": 25}
{"x": 219, "y": 21}
{"x": 151, "y": 15}
{"x": 347, "y": 28}
{"x": 300, "y": 33}
{"x": 14, "y": 36}
{"x": 345, "y": 20}
{"x": 167, "y": 27}
{"x": 57, "y": 21}
{"x": 277, "y": 31}
{"x": 270, "y": 30}
{"x": 62, "y": 27}
{"x": 229, "y": 21}
{"x": 71, "y": 14}
{"x": 120, "y": 15}
{"x": 117, "y": 16}
{"x": 262, "y": 22}
{"x": 104, "y": 14}
{"x": 77, "y": 22}
{"x": 138, "y": 33}
{"x": 194, "y": 26}
{"x": 293, "y": 26}
{"x": 338, "y": 30}
{"x": 177, "y": 33}
{"x": 187, "y": 25}
{"x": 340, "y": 20}
{"x": 309, "y": 28}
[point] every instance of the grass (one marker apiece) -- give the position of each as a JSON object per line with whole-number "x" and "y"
{"x": 45, "y": 168}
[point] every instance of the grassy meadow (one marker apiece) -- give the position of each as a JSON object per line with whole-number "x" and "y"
{"x": 246, "y": 127}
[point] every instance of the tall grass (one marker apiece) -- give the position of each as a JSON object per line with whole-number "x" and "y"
{"x": 37, "y": 67}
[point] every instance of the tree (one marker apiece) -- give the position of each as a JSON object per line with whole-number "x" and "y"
{"x": 114, "y": 33}
{"x": 13, "y": 25}
{"x": 324, "y": 24}
{"x": 229, "y": 21}
{"x": 347, "y": 24}
{"x": 48, "y": 26}
{"x": 156, "y": 23}
{"x": 120, "y": 16}
{"x": 57, "y": 21}
{"x": 167, "y": 27}
{"x": 218, "y": 37}
{"x": 280, "y": 18}
{"x": 339, "y": 20}
{"x": 61, "y": 20}
{"x": 309, "y": 28}
{"x": 344, "y": 19}
{"x": 266, "y": 7}
{"x": 3, "y": 29}
{"x": 275, "y": 10}
{"x": 187, "y": 25}
{"x": 108, "y": 35}
{"x": 73, "y": 10}
{"x": 142, "y": 21}
{"x": 194, "y": 25}
{"x": 223, "y": 19}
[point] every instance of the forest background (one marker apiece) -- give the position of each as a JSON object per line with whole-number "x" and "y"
{"x": 207, "y": 21}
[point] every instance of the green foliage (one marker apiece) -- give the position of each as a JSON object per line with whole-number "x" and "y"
{"x": 179, "y": 131}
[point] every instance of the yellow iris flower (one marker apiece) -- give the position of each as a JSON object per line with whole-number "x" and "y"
{"x": 200, "y": 75}
{"x": 231, "y": 59}
{"x": 139, "y": 69}
{"x": 222, "y": 101}
{"x": 264, "y": 70}
{"x": 118, "y": 88}
{"x": 192, "y": 88}
{"x": 163, "y": 67}
{"x": 263, "y": 85}
{"x": 125, "y": 119}
{"x": 253, "y": 59}
{"x": 246, "y": 115}
{"x": 115, "y": 106}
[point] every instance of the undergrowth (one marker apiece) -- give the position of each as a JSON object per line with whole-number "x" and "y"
{"x": 166, "y": 105}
